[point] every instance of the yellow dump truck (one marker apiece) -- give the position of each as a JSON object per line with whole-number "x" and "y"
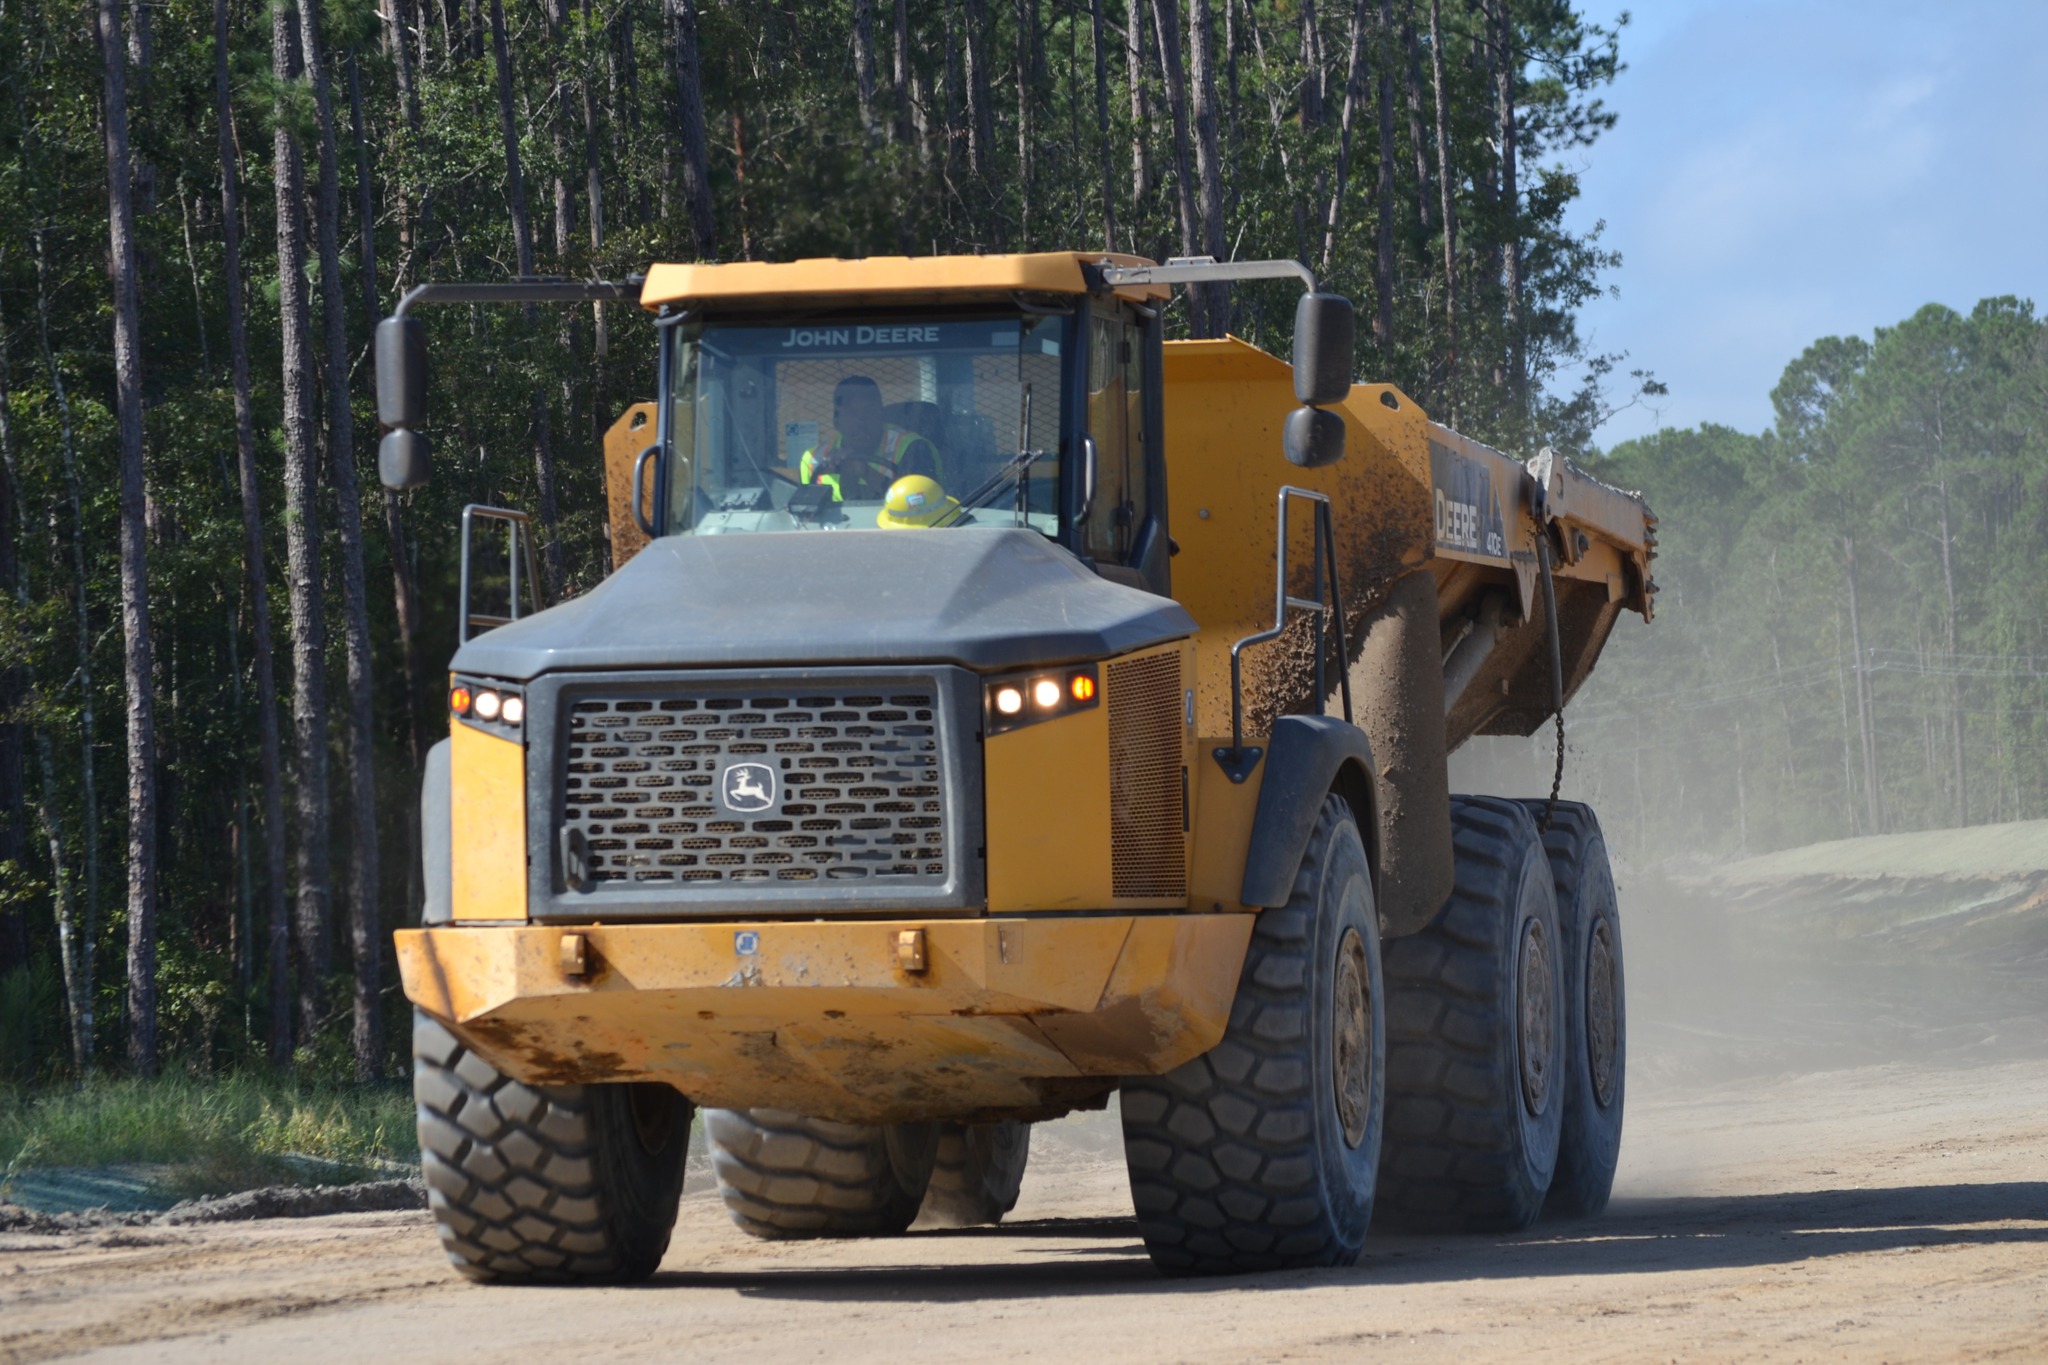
{"x": 994, "y": 710}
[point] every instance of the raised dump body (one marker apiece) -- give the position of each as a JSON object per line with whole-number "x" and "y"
{"x": 933, "y": 763}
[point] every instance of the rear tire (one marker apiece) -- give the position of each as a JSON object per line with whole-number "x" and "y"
{"x": 977, "y": 1173}
{"x": 1259, "y": 1155}
{"x": 783, "y": 1175}
{"x": 545, "y": 1183}
{"x": 1476, "y": 1037}
{"x": 1596, "y": 1037}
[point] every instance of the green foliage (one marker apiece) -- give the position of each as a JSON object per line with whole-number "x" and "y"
{"x": 1737, "y": 721}
{"x": 212, "y": 1135}
{"x": 794, "y": 169}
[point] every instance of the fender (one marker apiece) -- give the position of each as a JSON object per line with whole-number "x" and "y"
{"x": 1307, "y": 758}
{"x": 436, "y": 873}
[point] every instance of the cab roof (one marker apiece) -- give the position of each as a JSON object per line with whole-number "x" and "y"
{"x": 885, "y": 279}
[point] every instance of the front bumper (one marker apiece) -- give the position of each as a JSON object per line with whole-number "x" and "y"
{"x": 1010, "y": 1016}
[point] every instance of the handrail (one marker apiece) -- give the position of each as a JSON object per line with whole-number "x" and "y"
{"x": 1239, "y": 760}
{"x": 521, "y": 547}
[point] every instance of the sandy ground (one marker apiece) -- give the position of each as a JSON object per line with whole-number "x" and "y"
{"x": 1889, "y": 1213}
{"x": 1836, "y": 1149}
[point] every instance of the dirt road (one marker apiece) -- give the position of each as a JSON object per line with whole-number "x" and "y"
{"x": 1878, "y": 1213}
{"x": 1836, "y": 1149}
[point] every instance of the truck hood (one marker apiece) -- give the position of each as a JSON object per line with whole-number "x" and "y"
{"x": 988, "y": 600}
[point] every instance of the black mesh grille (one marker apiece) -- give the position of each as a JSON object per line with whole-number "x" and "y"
{"x": 657, "y": 785}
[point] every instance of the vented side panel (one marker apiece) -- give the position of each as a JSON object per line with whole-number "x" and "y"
{"x": 1148, "y": 846}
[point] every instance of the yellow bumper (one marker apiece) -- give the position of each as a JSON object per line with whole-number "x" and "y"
{"x": 826, "y": 1018}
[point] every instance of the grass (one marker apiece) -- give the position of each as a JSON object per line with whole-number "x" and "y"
{"x": 200, "y": 1137}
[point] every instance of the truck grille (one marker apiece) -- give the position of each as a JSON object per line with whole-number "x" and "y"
{"x": 804, "y": 783}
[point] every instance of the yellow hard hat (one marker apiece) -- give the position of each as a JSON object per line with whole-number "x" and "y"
{"x": 915, "y": 500}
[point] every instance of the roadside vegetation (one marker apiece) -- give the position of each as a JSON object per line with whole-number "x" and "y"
{"x": 189, "y": 1135}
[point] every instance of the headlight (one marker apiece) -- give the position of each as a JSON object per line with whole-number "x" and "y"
{"x": 1051, "y": 694}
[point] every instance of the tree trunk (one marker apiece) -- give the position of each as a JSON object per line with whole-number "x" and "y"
{"x": 864, "y": 63}
{"x": 1383, "y": 195}
{"x": 696, "y": 159}
{"x": 14, "y": 692}
{"x": 1314, "y": 67}
{"x": 1957, "y": 759}
{"x": 1208, "y": 160}
{"x": 1418, "y": 141}
{"x": 272, "y": 767}
{"x": 84, "y": 977}
{"x": 302, "y": 551}
{"x": 137, "y": 668}
{"x": 981, "y": 129}
{"x": 1863, "y": 718}
{"x": 1505, "y": 76}
{"x": 1448, "y": 215}
{"x": 1099, "y": 39}
{"x": 899, "y": 73}
{"x": 1354, "y": 91}
{"x": 1027, "y": 61}
{"x": 359, "y": 731}
{"x": 1141, "y": 115}
{"x": 1166, "y": 27}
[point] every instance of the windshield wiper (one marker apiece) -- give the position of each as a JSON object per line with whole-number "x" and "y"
{"x": 1013, "y": 469}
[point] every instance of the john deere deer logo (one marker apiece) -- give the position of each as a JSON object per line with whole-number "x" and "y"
{"x": 748, "y": 787}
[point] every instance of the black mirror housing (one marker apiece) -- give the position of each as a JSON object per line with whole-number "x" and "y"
{"x": 401, "y": 374}
{"x": 402, "y": 459}
{"x": 1325, "y": 334}
{"x": 1313, "y": 437}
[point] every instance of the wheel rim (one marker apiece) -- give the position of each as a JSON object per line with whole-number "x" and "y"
{"x": 1351, "y": 1057}
{"x": 1535, "y": 1017}
{"x": 1603, "y": 1014}
{"x": 653, "y": 1107}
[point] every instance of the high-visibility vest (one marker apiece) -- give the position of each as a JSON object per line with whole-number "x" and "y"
{"x": 896, "y": 443}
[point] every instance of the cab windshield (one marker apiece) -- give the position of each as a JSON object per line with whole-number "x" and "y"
{"x": 902, "y": 421}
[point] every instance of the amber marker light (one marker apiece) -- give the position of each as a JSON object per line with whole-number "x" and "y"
{"x": 459, "y": 700}
{"x": 1009, "y": 700}
{"x": 487, "y": 705}
{"x": 1046, "y": 693}
{"x": 514, "y": 711}
{"x": 1083, "y": 687}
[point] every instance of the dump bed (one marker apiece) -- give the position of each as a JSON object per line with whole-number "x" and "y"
{"x": 1410, "y": 496}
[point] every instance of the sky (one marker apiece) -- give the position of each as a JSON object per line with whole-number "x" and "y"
{"x": 1785, "y": 170}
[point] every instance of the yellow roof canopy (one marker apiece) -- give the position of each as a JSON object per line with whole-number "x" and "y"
{"x": 883, "y": 279}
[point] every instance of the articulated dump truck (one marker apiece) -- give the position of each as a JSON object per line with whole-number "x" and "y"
{"x": 994, "y": 710}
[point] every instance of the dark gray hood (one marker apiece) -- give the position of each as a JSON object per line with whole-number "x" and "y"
{"x": 989, "y": 600}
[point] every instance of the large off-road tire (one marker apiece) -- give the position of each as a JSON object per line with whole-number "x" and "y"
{"x": 784, "y": 1175}
{"x": 1596, "y": 1031}
{"x": 978, "y": 1170}
{"x": 545, "y": 1183}
{"x": 1259, "y": 1155}
{"x": 1476, "y": 1037}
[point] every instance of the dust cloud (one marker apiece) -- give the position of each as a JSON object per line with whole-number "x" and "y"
{"x": 1862, "y": 952}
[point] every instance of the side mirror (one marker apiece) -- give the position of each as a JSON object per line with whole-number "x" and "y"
{"x": 401, "y": 372}
{"x": 402, "y": 402}
{"x": 1325, "y": 332}
{"x": 1313, "y": 437}
{"x": 402, "y": 459}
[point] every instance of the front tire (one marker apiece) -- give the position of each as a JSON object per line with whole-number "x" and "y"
{"x": 1476, "y": 1037}
{"x": 977, "y": 1173}
{"x": 1260, "y": 1154}
{"x": 545, "y": 1183}
{"x": 785, "y": 1175}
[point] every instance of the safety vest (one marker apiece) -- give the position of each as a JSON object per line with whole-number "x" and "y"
{"x": 896, "y": 443}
